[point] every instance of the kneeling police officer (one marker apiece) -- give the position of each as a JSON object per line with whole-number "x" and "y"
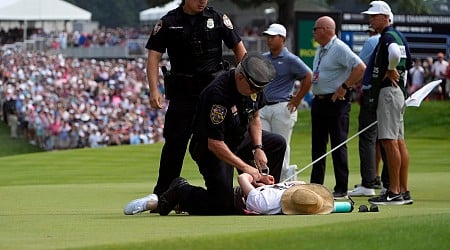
{"x": 227, "y": 134}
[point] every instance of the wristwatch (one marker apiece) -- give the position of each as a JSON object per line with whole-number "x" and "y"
{"x": 257, "y": 146}
{"x": 344, "y": 86}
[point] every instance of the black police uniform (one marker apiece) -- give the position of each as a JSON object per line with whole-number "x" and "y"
{"x": 224, "y": 114}
{"x": 194, "y": 47}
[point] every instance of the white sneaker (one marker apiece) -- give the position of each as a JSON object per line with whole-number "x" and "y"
{"x": 290, "y": 173}
{"x": 362, "y": 191}
{"x": 138, "y": 205}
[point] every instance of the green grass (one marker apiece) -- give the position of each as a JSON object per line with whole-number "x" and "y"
{"x": 73, "y": 199}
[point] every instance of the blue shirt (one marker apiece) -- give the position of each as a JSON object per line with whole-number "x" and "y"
{"x": 289, "y": 68}
{"x": 368, "y": 48}
{"x": 332, "y": 65}
{"x": 366, "y": 53}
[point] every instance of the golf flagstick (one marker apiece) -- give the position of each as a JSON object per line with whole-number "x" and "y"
{"x": 414, "y": 100}
{"x": 417, "y": 97}
{"x": 329, "y": 152}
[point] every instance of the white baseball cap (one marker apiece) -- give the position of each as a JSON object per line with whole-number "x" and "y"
{"x": 275, "y": 29}
{"x": 378, "y": 7}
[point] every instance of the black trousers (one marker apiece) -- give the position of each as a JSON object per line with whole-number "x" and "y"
{"x": 367, "y": 141}
{"x": 330, "y": 119}
{"x": 217, "y": 198}
{"x": 367, "y": 145}
{"x": 177, "y": 132}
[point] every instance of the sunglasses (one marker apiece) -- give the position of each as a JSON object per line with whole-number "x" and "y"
{"x": 316, "y": 28}
{"x": 252, "y": 85}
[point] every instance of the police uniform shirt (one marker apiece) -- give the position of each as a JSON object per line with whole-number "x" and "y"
{"x": 385, "y": 40}
{"x": 223, "y": 113}
{"x": 332, "y": 65}
{"x": 289, "y": 68}
{"x": 193, "y": 42}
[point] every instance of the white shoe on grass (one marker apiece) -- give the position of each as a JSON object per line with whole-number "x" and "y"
{"x": 362, "y": 191}
{"x": 139, "y": 205}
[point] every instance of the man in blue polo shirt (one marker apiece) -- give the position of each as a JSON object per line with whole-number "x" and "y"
{"x": 280, "y": 113}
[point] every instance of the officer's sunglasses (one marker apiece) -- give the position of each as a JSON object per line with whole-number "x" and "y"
{"x": 252, "y": 85}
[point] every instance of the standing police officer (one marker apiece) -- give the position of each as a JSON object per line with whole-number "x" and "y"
{"x": 227, "y": 134}
{"x": 192, "y": 34}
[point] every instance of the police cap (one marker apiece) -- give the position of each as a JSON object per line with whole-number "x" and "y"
{"x": 258, "y": 70}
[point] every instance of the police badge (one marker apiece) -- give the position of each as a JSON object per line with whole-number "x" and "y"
{"x": 210, "y": 23}
{"x": 217, "y": 114}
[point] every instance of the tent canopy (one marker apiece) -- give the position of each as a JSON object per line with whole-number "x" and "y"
{"x": 154, "y": 14}
{"x": 44, "y": 10}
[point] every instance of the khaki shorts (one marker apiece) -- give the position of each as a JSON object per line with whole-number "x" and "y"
{"x": 390, "y": 110}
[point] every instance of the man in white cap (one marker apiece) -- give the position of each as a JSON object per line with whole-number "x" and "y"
{"x": 369, "y": 150}
{"x": 391, "y": 61}
{"x": 280, "y": 113}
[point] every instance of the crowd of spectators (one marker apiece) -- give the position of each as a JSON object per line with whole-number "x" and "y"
{"x": 60, "y": 103}
{"x": 62, "y": 39}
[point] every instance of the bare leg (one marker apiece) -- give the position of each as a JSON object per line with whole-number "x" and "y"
{"x": 404, "y": 166}
{"x": 394, "y": 159}
{"x": 377, "y": 159}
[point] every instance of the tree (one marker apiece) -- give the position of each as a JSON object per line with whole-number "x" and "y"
{"x": 286, "y": 15}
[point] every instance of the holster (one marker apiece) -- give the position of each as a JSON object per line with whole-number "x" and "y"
{"x": 196, "y": 149}
{"x": 185, "y": 86}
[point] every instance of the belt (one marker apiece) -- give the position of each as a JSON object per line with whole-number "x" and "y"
{"x": 323, "y": 97}
{"x": 271, "y": 103}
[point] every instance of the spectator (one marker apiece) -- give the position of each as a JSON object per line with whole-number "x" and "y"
{"x": 417, "y": 76}
{"x": 336, "y": 70}
{"x": 280, "y": 113}
{"x": 53, "y": 82}
{"x": 439, "y": 69}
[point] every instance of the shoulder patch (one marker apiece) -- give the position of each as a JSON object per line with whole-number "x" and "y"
{"x": 217, "y": 114}
{"x": 227, "y": 22}
{"x": 157, "y": 27}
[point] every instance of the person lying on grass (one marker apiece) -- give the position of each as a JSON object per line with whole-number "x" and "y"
{"x": 293, "y": 197}
{"x": 263, "y": 197}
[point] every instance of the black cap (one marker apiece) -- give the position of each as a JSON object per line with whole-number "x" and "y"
{"x": 258, "y": 70}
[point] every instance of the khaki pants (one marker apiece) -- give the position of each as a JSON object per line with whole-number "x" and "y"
{"x": 12, "y": 122}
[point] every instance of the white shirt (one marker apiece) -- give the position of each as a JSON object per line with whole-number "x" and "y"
{"x": 267, "y": 199}
{"x": 438, "y": 68}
